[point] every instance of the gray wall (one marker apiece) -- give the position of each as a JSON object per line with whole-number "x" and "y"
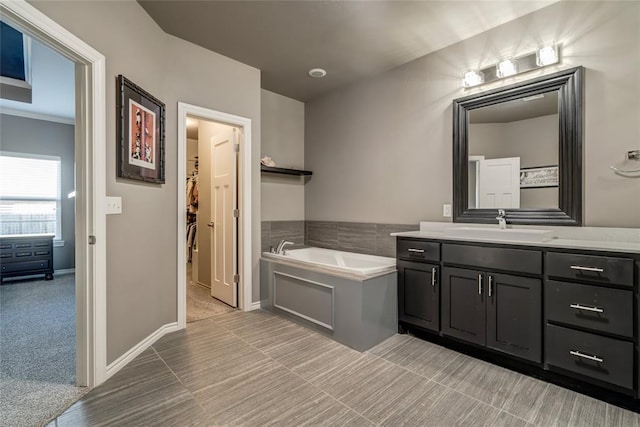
{"x": 141, "y": 295}
{"x": 283, "y": 141}
{"x": 30, "y": 136}
{"x": 381, "y": 149}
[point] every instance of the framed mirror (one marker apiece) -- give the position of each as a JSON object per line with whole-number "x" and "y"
{"x": 519, "y": 148}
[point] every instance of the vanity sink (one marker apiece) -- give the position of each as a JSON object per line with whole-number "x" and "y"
{"x": 511, "y": 234}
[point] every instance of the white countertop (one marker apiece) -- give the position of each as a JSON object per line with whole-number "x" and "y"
{"x": 607, "y": 239}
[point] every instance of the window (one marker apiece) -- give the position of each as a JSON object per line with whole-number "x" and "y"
{"x": 30, "y": 188}
{"x": 15, "y": 65}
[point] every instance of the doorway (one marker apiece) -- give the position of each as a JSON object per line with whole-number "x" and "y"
{"x": 212, "y": 200}
{"x": 90, "y": 221}
{"x": 223, "y": 218}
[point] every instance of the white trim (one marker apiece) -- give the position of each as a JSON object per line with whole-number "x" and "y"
{"x": 136, "y": 350}
{"x": 244, "y": 172}
{"x": 255, "y": 306}
{"x": 91, "y": 328}
{"x": 64, "y": 271}
{"x": 37, "y": 116}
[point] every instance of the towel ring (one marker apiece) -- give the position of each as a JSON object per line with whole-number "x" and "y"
{"x": 631, "y": 155}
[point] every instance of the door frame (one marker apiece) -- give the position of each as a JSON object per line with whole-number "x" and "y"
{"x": 90, "y": 152}
{"x": 244, "y": 203}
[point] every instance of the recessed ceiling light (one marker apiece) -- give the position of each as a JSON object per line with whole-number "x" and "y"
{"x": 317, "y": 72}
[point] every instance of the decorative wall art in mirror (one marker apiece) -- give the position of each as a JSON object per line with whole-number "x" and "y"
{"x": 519, "y": 148}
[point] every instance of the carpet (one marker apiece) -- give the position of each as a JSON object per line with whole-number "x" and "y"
{"x": 201, "y": 305}
{"x": 37, "y": 350}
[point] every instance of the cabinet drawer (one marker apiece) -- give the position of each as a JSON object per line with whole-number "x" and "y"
{"x": 14, "y": 267}
{"x": 604, "y": 359}
{"x": 594, "y": 307}
{"x": 598, "y": 269}
{"x": 6, "y": 246}
{"x": 520, "y": 260}
{"x": 416, "y": 250}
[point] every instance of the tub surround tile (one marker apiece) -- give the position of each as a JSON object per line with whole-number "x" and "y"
{"x": 292, "y": 231}
{"x": 265, "y": 236}
{"x": 385, "y": 243}
{"x": 357, "y": 237}
{"x": 322, "y": 234}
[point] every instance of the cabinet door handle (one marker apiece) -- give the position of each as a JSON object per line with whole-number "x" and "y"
{"x": 479, "y": 284}
{"x": 433, "y": 276}
{"x": 490, "y": 285}
{"x": 586, "y": 356}
{"x": 581, "y": 268}
{"x": 586, "y": 308}
{"x": 416, "y": 251}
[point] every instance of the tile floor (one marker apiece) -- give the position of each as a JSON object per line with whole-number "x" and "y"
{"x": 259, "y": 369}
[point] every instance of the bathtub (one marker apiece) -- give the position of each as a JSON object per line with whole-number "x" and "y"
{"x": 338, "y": 261}
{"x": 349, "y": 297}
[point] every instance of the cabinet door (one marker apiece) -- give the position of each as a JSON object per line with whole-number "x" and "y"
{"x": 418, "y": 294}
{"x": 514, "y": 315}
{"x": 463, "y": 304}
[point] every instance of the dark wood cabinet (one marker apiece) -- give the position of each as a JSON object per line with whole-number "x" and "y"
{"x": 26, "y": 255}
{"x": 573, "y": 313}
{"x": 463, "y": 305}
{"x": 499, "y": 311}
{"x": 419, "y": 294}
{"x": 514, "y": 315}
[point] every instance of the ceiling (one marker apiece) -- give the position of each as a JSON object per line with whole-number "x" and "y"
{"x": 53, "y": 87}
{"x": 350, "y": 39}
{"x": 518, "y": 109}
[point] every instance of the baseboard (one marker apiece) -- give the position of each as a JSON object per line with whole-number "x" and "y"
{"x": 64, "y": 271}
{"x": 123, "y": 360}
{"x": 255, "y": 306}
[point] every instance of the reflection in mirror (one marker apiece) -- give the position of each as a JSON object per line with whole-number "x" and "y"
{"x": 508, "y": 142}
{"x": 519, "y": 148}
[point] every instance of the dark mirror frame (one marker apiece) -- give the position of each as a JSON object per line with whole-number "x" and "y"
{"x": 569, "y": 84}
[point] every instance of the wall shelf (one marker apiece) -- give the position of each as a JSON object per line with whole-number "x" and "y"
{"x": 285, "y": 171}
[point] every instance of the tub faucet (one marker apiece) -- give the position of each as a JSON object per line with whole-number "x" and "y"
{"x": 281, "y": 246}
{"x": 502, "y": 219}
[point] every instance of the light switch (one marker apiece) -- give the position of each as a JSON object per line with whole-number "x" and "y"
{"x": 446, "y": 210}
{"x": 114, "y": 205}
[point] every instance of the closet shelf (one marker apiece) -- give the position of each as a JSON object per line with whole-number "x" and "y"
{"x": 285, "y": 171}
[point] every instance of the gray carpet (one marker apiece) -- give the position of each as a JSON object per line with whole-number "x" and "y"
{"x": 201, "y": 305}
{"x": 37, "y": 350}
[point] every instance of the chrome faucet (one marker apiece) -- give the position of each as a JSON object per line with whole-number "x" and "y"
{"x": 281, "y": 245}
{"x": 502, "y": 219}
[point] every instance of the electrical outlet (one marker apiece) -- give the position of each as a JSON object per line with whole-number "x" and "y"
{"x": 446, "y": 210}
{"x": 114, "y": 205}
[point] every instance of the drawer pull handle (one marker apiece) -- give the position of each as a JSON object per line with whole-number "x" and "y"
{"x": 581, "y": 268}
{"x": 433, "y": 276}
{"x": 479, "y": 284}
{"x": 490, "y": 285}
{"x": 586, "y": 308}
{"x": 586, "y": 356}
{"x": 416, "y": 251}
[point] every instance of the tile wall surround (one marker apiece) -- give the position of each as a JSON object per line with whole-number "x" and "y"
{"x": 366, "y": 238}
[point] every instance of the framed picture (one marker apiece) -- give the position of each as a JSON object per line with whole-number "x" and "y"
{"x": 543, "y": 176}
{"x": 140, "y": 154}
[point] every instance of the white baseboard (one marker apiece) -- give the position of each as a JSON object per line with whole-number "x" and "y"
{"x": 64, "y": 271}
{"x": 123, "y": 360}
{"x": 255, "y": 306}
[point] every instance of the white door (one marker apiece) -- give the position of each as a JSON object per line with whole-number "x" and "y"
{"x": 223, "y": 205}
{"x": 499, "y": 183}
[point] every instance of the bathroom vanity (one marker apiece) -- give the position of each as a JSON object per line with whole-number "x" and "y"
{"x": 557, "y": 307}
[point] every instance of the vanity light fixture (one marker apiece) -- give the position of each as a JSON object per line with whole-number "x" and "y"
{"x": 546, "y": 55}
{"x": 506, "y": 68}
{"x": 317, "y": 72}
{"x": 472, "y": 78}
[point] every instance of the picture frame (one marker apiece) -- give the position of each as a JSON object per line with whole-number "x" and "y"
{"x": 539, "y": 177}
{"x": 140, "y": 133}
